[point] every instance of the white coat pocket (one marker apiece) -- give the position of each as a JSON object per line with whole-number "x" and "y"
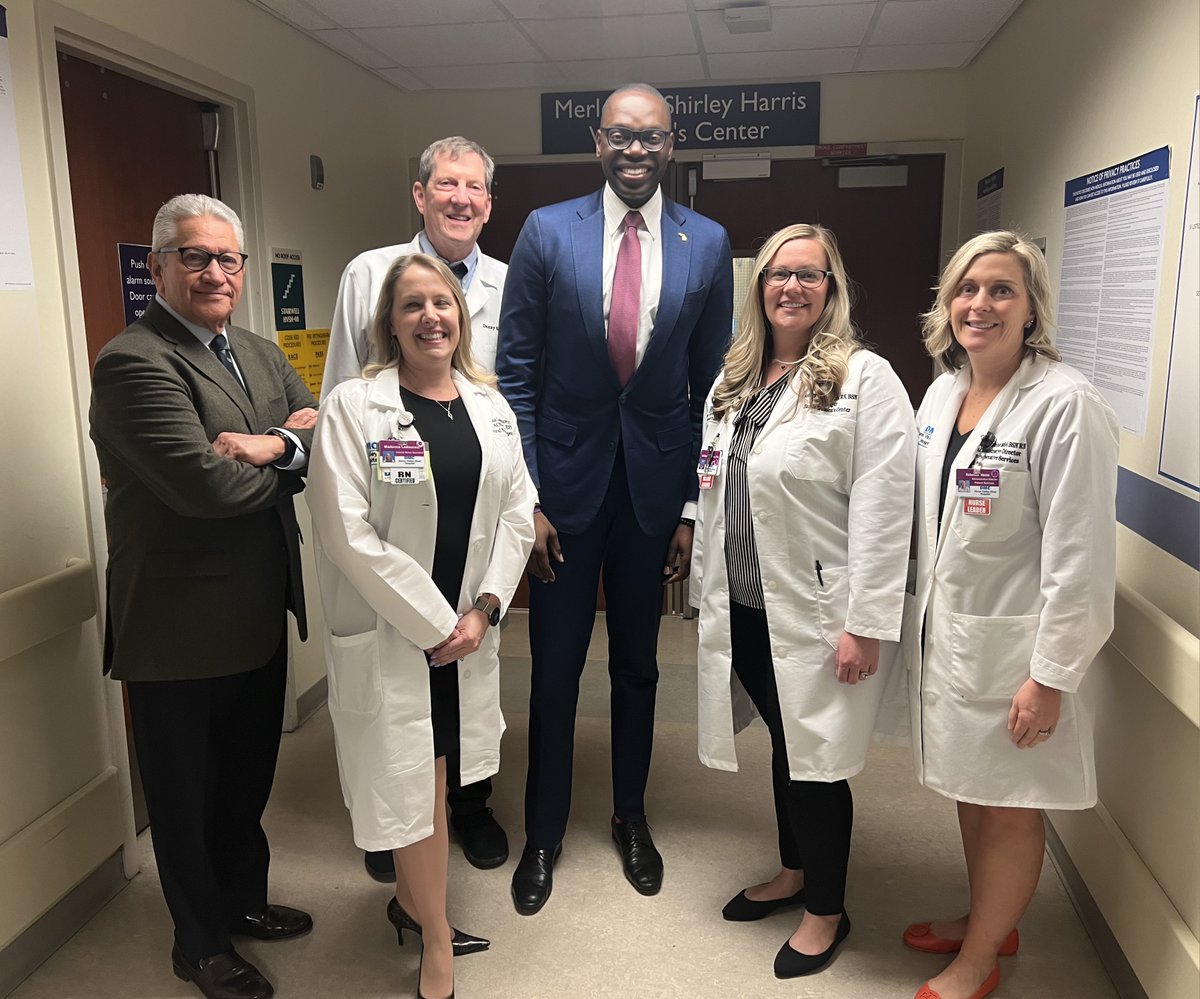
{"x": 818, "y": 445}
{"x": 832, "y": 602}
{"x": 991, "y": 655}
{"x": 1005, "y": 516}
{"x": 355, "y": 683}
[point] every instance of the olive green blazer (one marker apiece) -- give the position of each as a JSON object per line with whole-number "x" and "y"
{"x": 203, "y": 551}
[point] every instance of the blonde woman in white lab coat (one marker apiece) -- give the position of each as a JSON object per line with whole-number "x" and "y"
{"x": 800, "y": 555}
{"x": 423, "y": 512}
{"x": 1016, "y": 487}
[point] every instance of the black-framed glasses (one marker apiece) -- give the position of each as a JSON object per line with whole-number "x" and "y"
{"x": 652, "y": 139}
{"x": 777, "y": 277}
{"x": 196, "y": 258}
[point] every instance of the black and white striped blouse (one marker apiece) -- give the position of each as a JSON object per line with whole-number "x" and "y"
{"x": 741, "y": 553}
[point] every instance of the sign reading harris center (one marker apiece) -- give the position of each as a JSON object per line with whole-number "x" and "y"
{"x": 774, "y": 114}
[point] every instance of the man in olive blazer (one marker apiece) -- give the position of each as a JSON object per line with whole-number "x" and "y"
{"x": 202, "y": 430}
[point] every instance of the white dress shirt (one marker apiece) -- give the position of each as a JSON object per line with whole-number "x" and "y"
{"x": 650, "y": 239}
{"x": 206, "y": 337}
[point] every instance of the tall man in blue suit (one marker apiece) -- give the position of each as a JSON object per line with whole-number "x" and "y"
{"x": 617, "y": 310}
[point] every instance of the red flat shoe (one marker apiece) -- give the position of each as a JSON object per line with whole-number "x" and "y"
{"x": 920, "y": 936}
{"x": 988, "y": 986}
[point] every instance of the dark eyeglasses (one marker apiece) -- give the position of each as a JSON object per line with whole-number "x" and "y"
{"x": 652, "y": 139}
{"x": 196, "y": 259}
{"x": 777, "y": 277}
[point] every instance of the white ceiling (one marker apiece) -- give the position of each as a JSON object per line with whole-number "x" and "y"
{"x": 422, "y": 45}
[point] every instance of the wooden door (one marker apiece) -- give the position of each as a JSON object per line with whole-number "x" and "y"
{"x": 130, "y": 147}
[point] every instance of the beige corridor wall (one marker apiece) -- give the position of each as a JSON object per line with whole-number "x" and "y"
{"x": 1066, "y": 88}
{"x": 64, "y": 790}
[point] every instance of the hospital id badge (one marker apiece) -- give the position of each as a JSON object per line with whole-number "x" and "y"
{"x": 402, "y": 463}
{"x": 977, "y": 483}
{"x": 709, "y": 467}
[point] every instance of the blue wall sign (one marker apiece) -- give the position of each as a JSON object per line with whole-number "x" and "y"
{"x": 137, "y": 286}
{"x": 1137, "y": 172}
{"x": 767, "y": 114}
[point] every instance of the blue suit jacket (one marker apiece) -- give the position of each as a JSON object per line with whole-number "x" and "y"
{"x": 554, "y": 368}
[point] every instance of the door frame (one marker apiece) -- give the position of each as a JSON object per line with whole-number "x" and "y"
{"x": 61, "y": 27}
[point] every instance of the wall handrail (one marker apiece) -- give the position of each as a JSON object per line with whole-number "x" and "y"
{"x": 1160, "y": 648}
{"x": 44, "y": 608}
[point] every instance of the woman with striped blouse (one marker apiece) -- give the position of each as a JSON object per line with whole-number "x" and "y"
{"x": 801, "y": 549}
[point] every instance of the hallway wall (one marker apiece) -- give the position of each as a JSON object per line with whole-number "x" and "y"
{"x": 1062, "y": 90}
{"x": 64, "y": 790}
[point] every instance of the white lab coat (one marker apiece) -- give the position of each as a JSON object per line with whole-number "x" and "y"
{"x": 349, "y": 348}
{"x": 829, "y": 486}
{"x": 375, "y": 545}
{"x": 1026, "y": 591}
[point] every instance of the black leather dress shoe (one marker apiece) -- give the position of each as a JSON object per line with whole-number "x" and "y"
{"x": 276, "y": 922}
{"x": 381, "y": 865}
{"x": 791, "y": 963}
{"x": 222, "y": 976}
{"x": 642, "y": 863}
{"x": 483, "y": 841}
{"x": 533, "y": 880}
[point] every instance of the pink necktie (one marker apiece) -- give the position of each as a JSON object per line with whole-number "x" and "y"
{"x": 624, "y": 308}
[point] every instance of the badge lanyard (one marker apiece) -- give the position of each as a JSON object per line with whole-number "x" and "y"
{"x": 710, "y": 463}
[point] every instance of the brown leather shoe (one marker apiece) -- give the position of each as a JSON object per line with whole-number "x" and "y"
{"x": 276, "y": 922}
{"x": 223, "y": 976}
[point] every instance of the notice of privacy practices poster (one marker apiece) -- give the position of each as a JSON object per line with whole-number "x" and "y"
{"x": 1112, "y": 258}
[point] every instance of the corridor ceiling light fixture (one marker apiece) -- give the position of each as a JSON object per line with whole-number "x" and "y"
{"x": 747, "y": 18}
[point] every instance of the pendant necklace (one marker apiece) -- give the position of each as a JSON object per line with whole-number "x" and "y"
{"x": 446, "y": 406}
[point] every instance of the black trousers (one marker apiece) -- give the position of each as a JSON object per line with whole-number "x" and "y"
{"x": 814, "y": 818}
{"x": 561, "y": 615}
{"x": 206, "y": 751}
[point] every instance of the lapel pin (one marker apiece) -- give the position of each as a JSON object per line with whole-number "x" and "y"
{"x": 683, "y": 237}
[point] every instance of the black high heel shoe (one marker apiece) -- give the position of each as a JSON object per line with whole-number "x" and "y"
{"x": 462, "y": 943}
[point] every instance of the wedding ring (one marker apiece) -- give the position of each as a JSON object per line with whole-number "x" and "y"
{"x": 1044, "y": 732}
{"x": 864, "y": 676}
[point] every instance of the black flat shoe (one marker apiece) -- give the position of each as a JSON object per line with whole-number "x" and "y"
{"x": 275, "y": 922}
{"x": 462, "y": 943}
{"x": 533, "y": 880}
{"x": 741, "y": 909}
{"x": 484, "y": 843}
{"x": 222, "y": 976}
{"x": 791, "y": 963}
{"x": 640, "y": 859}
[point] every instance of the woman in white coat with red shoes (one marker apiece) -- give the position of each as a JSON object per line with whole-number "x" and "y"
{"x": 1015, "y": 538}
{"x": 799, "y": 561}
{"x": 423, "y": 512}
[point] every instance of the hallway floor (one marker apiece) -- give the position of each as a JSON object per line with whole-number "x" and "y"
{"x": 596, "y": 937}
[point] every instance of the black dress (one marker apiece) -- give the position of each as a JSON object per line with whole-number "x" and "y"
{"x": 455, "y": 459}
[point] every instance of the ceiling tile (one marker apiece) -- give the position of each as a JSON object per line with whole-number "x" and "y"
{"x": 613, "y": 37}
{"x": 353, "y": 47}
{"x": 402, "y": 78}
{"x": 923, "y": 22}
{"x": 540, "y": 10}
{"x": 945, "y": 56}
{"x": 298, "y": 13}
{"x": 791, "y": 28}
{"x": 451, "y": 45}
{"x": 498, "y": 76}
{"x": 605, "y": 74}
{"x": 391, "y": 13}
{"x": 722, "y": 4}
{"x": 790, "y": 66}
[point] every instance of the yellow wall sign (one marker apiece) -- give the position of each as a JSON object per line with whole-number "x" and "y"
{"x": 305, "y": 350}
